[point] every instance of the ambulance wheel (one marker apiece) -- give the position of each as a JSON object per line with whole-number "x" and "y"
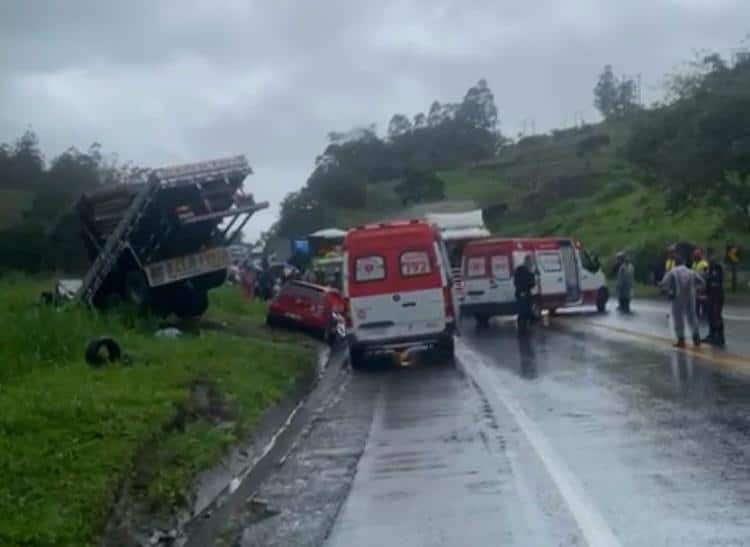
{"x": 601, "y": 300}
{"x": 356, "y": 358}
{"x": 536, "y": 309}
{"x": 446, "y": 350}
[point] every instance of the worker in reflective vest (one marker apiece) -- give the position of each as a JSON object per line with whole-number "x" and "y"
{"x": 700, "y": 266}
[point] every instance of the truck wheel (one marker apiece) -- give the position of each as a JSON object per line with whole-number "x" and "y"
{"x": 189, "y": 301}
{"x": 356, "y": 358}
{"x": 483, "y": 321}
{"x": 104, "y": 344}
{"x": 601, "y": 299}
{"x": 137, "y": 290}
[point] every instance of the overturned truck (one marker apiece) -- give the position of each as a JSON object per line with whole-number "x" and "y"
{"x": 162, "y": 243}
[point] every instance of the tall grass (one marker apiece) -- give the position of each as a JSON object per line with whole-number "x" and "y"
{"x": 70, "y": 435}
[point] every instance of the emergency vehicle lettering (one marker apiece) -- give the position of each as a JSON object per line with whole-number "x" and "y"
{"x": 415, "y": 263}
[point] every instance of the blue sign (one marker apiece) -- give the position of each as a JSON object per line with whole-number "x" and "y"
{"x": 300, "y": 246}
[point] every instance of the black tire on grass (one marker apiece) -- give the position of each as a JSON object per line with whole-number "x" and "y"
{"x": 104, "y": 344}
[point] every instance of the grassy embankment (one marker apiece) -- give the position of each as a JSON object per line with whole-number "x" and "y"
{"x": 547, "y": 188}
{"x": 74, "y": 439}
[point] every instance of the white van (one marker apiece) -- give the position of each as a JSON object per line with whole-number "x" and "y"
{"x": 566, "y": 276}
{"x": 397, "y": 286}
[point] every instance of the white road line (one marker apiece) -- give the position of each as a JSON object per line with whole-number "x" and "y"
{"x": 590, "y": 521}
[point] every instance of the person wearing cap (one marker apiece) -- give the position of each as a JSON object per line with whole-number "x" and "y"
{"x": 625, "y": 278}
{"x": 671, "y": 261}
{"x": 700, "y": 266}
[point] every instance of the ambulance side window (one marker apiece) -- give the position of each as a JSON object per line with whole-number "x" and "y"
{"x": 590, "y": 261}
{"x": 476, "y": 266}
{"x": 500, "y": 267}
{"x": 550, "y": 262}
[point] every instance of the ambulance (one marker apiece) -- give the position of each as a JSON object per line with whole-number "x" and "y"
{"x": 566, "y": 276}
{"x": 398, "y": 290}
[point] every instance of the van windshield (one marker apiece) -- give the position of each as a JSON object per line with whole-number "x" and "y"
{"x": 369, "y": 268}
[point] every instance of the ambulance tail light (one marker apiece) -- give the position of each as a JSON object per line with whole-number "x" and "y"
{"x": 450, "y": 313}
{"x": 348, "y": 313}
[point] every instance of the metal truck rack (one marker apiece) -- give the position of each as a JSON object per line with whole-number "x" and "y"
{"x": 162, "y": 242}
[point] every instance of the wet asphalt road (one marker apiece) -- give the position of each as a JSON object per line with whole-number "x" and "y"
{"x": 592, "y": 431}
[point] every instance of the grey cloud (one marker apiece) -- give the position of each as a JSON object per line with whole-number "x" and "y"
{"x": 177, "y": 80}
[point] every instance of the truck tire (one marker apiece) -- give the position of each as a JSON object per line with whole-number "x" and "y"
{"x": 601, "y": 299}
{"x": 189, "y": 301}
{"x": 356, "y": 358}
{"x": 137, "y": 290}
{"x": 94, "y": 350}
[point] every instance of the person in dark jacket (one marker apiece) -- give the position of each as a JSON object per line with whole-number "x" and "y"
{"x": 715, "y": 300}
{"x": 524, "y": 281}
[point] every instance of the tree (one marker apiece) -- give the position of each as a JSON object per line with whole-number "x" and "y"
{"x": 734, "y": 192}
{"x": 436, "y": 116}
{"x": 419, "y": 186}
{"x": 420, "y": 121}
{"x": 686, "y": 83}
{"x": 627, "y": 100}
{"x": 606, "y": 93}
{"x": 590, "y": 146}
{"x": 398, "y": 125}
{"x": 478, "y": 107}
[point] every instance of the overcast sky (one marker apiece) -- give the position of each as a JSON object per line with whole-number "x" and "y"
{"x": 161, "y": 82}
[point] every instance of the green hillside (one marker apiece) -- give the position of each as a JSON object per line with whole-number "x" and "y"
{"x": 544, "y": 185}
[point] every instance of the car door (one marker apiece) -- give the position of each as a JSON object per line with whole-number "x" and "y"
{"x": 501, "y": 277}
{"x": 570, "y": 269}
{"x": 551, "y": 272}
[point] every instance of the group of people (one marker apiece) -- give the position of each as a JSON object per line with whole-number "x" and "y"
{"x": 689, "y": 288}
{"x": 696, "y": 292}
{"x": 699, "y": 287}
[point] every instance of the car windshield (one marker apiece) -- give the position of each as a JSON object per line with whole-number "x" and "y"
{"x": 361, "y": 274}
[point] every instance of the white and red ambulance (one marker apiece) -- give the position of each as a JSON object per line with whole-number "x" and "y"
{"x": 398, "y": 289}
{"x": 567, "y": 276}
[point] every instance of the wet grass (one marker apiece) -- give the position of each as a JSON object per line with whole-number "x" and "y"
{"x": 74, "y": 439}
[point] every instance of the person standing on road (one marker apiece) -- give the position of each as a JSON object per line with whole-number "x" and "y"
{"x": 670, "y": 262}
{"x": 625, "y": 278}
{"x": 700, "y": 266}
{"x": 524, "y": 281}
{"x": 715, "y": 300}
{"x": 682, "y": 282}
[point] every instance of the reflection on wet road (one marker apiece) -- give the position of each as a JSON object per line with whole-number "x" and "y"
{"x": 657, "y": 438}
{"x": 575, "y": 435}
